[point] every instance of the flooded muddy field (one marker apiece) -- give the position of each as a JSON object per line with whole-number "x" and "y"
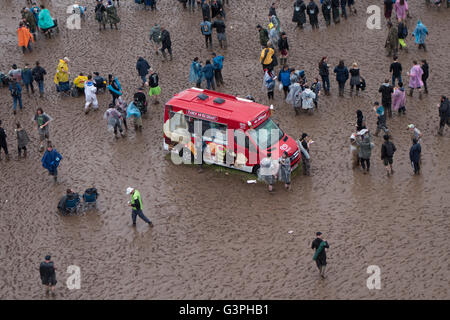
{"x": 215, "y": 236}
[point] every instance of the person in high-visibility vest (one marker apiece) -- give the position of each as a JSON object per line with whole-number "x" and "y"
{"x": 136, "y": 206}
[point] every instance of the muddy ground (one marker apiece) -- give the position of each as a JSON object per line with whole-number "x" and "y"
{"x": 215, "y": 236}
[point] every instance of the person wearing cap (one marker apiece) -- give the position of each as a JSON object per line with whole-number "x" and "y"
{"x": 387, "y": 153}
{"x": 51, "y": 160}
{"x": 381, "y": 118}
{"x": 62, "y": 75}
{"x": 136, "y": 206}
{"x": 320, "y": 256}
{"x": 415, "y": 155}
{"x": 48, "y": 275}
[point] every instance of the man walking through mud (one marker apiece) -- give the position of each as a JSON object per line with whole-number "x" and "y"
{"x": 48, "y": 275}
{"x": 136, "y": 206}
{"x": 320, "y": 256}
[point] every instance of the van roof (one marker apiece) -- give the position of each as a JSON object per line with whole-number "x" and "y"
{"x": 232, "y": 108}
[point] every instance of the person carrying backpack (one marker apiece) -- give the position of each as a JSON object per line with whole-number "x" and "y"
{"x": 206, "y": 29}
{"x": 387, "y": 153}
{"x": 16, "y": 94}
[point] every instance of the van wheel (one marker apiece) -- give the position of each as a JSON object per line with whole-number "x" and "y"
{"x": 255, "y": 169}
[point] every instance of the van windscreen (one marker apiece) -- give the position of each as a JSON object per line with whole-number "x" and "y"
{"x": 266, "y": 134}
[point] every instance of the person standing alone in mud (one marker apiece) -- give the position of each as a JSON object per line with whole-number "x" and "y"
{"x": 320, "y": 255}
{"x": 48, "y": 275}
{"x": 136, "y": 206}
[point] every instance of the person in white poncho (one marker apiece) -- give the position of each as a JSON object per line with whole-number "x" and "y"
{"x": 308, "y": 97}
{"x": 90, "y": 93}
{"x": 269, "y": 170}
{"x": 114, "y": 120}
{"x": 294, "y": 97}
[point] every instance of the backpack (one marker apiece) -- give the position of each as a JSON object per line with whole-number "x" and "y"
{"x": 205, "y": 28}
{"x": 15, "y": 91}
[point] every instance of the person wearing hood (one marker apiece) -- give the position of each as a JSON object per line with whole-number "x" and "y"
{"x": 206, "y": 29}
{"x": 308, "y": 97}
{"x": 45, "y": 22}
{"x": 114, "y": 120}
{"x": 24, "y": 37}
{"x": 402, "y": 31}
{"x": 114, "y": 87}
{"x": 62, "y": 75}
{"x": 155, "y": 37}
{"x": 136, "y": 206}
{"x": 401, "y": 9}
{"x": 364, "y": 141}
{"x": 399, "y": 99}
{"x": 22, "y": 140}
{"x": 263, "y": 35}
{"x": 420, "y": 33}
{"x": 294, "y": 96}
{"x": 381, "y": 118}
{"x": 3, "y": 143}
{"x": 360, "y": 121}
{"x": 16, "y": 94}
{"x": 444, "y": 114}
{"x": 274, "y": 37}
{"x": 90, "y": 91}
{"x": 51, "y": 161}
{"x": 387, "y": 154}
{"x": 134, "y": 112}
{"x": 266, "y": 57}
{"x": 27, "y": 78}
{"x": 79, "y": 83}
{"x": 142, "y": 68}
{"x": 208, "y": 74}
{"x": 391, "y": 44}
{"x": 414, "y": 156}
{"x": 425, "y": 75}
{"x": 206, "y": 11}
{"x": 313, "y": 12}
{"x": 341, "y": 76}
{"x": 111, "y": 15}
{"x": 284, "y": 76}
{"x": 326, "y": 11}
{"x": 217, "y": 62}
{"x": 166, "y": 43}
{"x": 415, "y": 79}
{"x": 299, "y": 13}
{"x": 100, "y": 15}
{"x": 335, "y": 10}
{"x": 386, "y": 91}
{"x": 195, "y": 74}
{"x": 355, "y": 78}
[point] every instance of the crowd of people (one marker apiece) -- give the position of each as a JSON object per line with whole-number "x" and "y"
{"x": 302, "y": 94}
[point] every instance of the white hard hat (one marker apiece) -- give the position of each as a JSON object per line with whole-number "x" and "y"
{"x": 129, "y": 190}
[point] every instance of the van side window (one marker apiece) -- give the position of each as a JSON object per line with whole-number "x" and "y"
{"x": 177, "y": 120}
{"x": 216, "y": 132}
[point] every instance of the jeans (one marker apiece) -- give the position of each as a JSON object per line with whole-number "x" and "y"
{"x": 28, "y": 86}
{"x": 41, "y": 86}
{"x": 396, "y": 77}
{"x": 210, "y": 83}
{"x": 326, "y": 82}
{"x": 135, "y": 213}
{"x": 144, "y": 79}
{"x": 15, "y": 98}
{"x": 208, "y": 37}
{"x": 364, "y": 162}
{"x": 191, "y": 3}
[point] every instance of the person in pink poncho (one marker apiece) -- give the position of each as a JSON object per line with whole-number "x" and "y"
{"x": 415, "y": 79}
{"x": 401, "y": 9}
{"x": 399, "y": 99}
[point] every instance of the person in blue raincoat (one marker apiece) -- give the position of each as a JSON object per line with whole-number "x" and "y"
{"x": 208, "y": 73}
{"x": 133, "y": 112}
{"x": 51, "y": 160}
{"x": 420, "y": 33}
{"x": 45, "y": 21}
{"x": 114, "y": 87}
{"x": 195, "y": 75}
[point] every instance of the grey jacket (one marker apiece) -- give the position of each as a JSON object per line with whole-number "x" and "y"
{"x": 365, "y": 147}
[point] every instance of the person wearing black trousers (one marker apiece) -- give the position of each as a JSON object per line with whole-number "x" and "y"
{"x": 425, "y": 74}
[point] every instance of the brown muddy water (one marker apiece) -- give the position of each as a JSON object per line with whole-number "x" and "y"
{"x": 215, "y": 236}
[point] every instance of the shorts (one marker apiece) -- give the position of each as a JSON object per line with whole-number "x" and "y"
{"x": 155, "y": 91}
{"x": 221, "y": 37}
{"x": 43, "y": 134}
{"x": 49, "y": 281}
{"x": 388, "y": 160}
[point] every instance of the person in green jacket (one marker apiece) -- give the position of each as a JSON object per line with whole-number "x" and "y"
{"x": 136, "y": 206}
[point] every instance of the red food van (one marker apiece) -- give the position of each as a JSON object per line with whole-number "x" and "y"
{"x": 228, "y": 130}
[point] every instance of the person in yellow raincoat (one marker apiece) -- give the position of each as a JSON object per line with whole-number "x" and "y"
{"x": 24, "y": 37}
{"x": 79, "y": 83}
{"x": 62, "y": 75}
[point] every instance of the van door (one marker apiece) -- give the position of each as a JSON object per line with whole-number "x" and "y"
{"x": 215, "y": 142}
